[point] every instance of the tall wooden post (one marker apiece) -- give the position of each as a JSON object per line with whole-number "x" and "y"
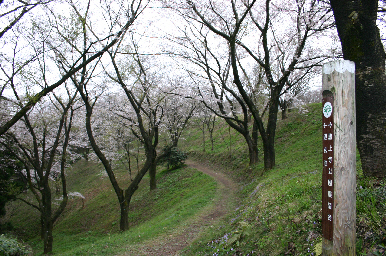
{"x": 339, "y": 158}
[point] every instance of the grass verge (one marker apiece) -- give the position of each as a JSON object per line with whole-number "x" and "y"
{"x": 280, "y": 209}
{"x": 92, "y": 229}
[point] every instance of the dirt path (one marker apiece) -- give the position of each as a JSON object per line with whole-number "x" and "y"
{"x": 174, "y": 243}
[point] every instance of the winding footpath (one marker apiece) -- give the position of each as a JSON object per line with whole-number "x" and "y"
{"x": 173, "y": 243}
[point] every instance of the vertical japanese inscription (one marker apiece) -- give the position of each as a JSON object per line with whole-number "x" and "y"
{"x": 328, "y": 166}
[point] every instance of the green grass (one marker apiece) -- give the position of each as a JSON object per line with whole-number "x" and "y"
{"x": 93, "y": 228}
{"x": 278, "y": 211}
{"x": 281, "y": 208}
{"x": 176, "y": 200}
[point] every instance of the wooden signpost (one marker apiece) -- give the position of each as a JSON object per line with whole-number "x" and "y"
{"x": 328, "y": 166}
{"x": 339, "y": 158}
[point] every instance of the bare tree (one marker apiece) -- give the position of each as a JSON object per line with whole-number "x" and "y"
{"x": 145, "y": 100}
{"x": 41, "y": 142}
{"x": 96, "y": 46}
{"x": 220, "y": 97}
{"x": 15, "y": 11}
{"x": 76, "y": 44}
{"x": 284, "y": 56}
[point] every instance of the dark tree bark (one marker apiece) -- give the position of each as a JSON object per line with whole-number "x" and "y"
{"x": 210, "y": 126}
{"x": 41, "y": 158}
{"x": 46, "y": 213}
{"x": 289, "y": 61}
{"x": 203, "y": 137}
{"x": 241, "y": 126}
{"x": 238, "y": 121}
{"x": 284, "y": 104}
{"x": 71, "y": 71}
{"x": 361, "y": 43}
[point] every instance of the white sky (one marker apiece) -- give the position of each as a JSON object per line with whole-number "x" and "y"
{"x": 150, "y": 29}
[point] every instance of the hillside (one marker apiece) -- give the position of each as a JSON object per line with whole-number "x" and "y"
{"x": 280, "y": 210}
{"x": 277, "y": 212}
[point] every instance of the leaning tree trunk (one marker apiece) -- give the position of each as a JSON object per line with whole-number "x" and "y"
{"x": 152, "y": 174}
{"x": 361, "y": 43}
{"x": 252, "y": 145}
{"x": 129, "y": 192}
{"x": 253, "y": 151}
{"x": 269, "y": 152}
{"x": 268, "y": 135}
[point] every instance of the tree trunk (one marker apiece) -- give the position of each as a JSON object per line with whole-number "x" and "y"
{"x": 253, "y": 153}
{"x": 284, "y": 104}
{"x": 48, "y": 238}
{"x": 127, "y": 148}
{"x": 211, "y": 140}
{"x": 152, "y": 174}
{"x": 269, "y": 154}
{"x": 361, "y": 43}
{"x": 175, "y": 139}
{"x": 371, "y": 123}
{"x": 269, "y": 135}
{"x": 253, "y": 150}
{"x": 284, "y": 113}
{"x": 129, "y": 192}
{"x": 124, "y": 221}
{"x": 46, "y": 218}
{"x": 203, "y": 137}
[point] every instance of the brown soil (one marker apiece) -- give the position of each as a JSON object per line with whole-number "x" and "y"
{"x": 173, "y": 243}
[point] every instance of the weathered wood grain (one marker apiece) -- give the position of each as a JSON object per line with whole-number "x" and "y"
{"x": 339, "y": 79}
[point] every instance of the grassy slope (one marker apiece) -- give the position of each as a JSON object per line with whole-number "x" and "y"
{"x": 279, "y": 212}
{"x": 91, "y": 226}
{"x": 281, "y": 207}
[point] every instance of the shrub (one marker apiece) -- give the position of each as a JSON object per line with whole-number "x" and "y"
{"x": 173, "y": 157}
{"x": 11, "y": 247}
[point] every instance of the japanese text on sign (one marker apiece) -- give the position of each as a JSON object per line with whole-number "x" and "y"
{"x": 328, "y": 168}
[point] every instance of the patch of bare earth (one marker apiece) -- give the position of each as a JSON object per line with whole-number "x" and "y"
{"x": 173, "y": 242}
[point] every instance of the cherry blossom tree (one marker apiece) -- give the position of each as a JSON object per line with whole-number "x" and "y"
{"x": 145, "y": 99}
{"x": 276, "y": 36}
{"x": 14, "y": 11}
{"x": 141, "y": 118}
{"x": 178, "y": 109}
{"x": 221, "y": 97}
{"x": 205, "y": 120}
{"x": 40, "y": 144}
{"x": 62, "y": 31}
